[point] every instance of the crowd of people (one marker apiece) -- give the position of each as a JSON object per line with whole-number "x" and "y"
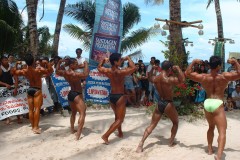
{"x": 135, "y": 84}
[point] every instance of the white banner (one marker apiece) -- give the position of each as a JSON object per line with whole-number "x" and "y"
{"x": 10, "y": 105}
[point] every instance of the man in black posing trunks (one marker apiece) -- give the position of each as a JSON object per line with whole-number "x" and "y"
{"x": 117, "y": 100}
{"x": 164, "y": 84}
{"x": 75, "y": 98}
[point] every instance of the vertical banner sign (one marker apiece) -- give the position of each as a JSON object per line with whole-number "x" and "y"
{"x": 107, "y": 30}
{"x": 97, "y": 87}
{"x": 62, "y": 88}
{"x": 218, "y": 50}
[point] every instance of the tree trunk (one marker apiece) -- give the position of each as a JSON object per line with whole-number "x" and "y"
{"x": 32, "y": 23}
{"x": 58, "y": 27}
{"x": 220, "y": 30}
{"x": 176, "y": 46}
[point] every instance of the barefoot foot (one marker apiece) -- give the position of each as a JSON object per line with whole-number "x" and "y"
{"x": 78, "y": 136}
{"x": 105, "y": 140}
{"x": 37, "y": 131}
{"x": 210, "y": 150}
{"x": 120, "y": 135}
{"x": 73, "y": 131}
{"x": 172, "y": 144}
{"x": 139, "y": 149}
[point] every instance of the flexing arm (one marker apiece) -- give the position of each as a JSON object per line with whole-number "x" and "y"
{"x": 60, "y": 71}
{"x": 85, "y": 71}
{"x": 130, "y": 69}
{"x": 232, "y": 76}
{"x": 180, "y": 76}
{"x": 100, "y": 66}
{"x": 194, "y": 75}
{"x": 151, "y": 77}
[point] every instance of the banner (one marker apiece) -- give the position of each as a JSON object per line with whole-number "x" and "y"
{"x": 62, "y": 89}
{"x": 218, "y": 50}
{"x": 98, "y": 87}
{"x": 107, "y": 31}
{"x": 10, "y": 105}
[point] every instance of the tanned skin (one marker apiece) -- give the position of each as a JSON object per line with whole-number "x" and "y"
{"x": 34, "y": 76}
{"x": 78, "y": 105}
{"x": 214, "y": 85}
{"x": 164, "y": 84}
{"x": 116, "y": 77}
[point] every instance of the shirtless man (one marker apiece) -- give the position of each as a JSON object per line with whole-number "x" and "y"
{"x": 117, "y": 98}
{"x": 75, "y": 98}
{"x": 214, "y": 84}
{"x": 34, "y": 93}
{"x": 164, "y": 84}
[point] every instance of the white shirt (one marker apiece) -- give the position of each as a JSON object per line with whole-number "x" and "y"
{"x": 80, "y": 60}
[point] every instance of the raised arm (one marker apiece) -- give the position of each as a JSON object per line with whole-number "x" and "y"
{"x": 20, "y": 72}
{"x": 60, "y": 71}
{"x": 194, "y": 75}
{"x": 180, "y": 76}
{"x": 101, "y": 68}
{"x": 151, "y": 77}
{"x": 232, "y": 76}
{"x": 85, "y": 72}
{"x": 130, "y": 69}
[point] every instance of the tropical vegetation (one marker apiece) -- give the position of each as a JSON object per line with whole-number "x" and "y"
{"x": 84, "y": 13}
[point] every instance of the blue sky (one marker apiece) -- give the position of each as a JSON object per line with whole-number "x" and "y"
{"x": 191, "y": 11}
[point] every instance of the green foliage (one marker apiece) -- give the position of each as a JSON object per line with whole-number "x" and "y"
{"x": 84, "y": 13}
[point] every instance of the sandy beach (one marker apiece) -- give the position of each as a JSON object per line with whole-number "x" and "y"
{"x": 55, "y": 143}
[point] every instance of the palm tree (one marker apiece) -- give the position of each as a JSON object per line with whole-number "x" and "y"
{"x": 10, "y": 26}
{"x": 219, "y": 27}
{"x": 32, "y": 23}
{"x": 58, "y": 27}
{"x": 176, "y": 46}
{"x": 84, "y": 12}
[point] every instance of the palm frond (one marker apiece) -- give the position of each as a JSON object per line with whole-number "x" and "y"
{"x": 137, "y": 38}
{"x": 83, "y": 12}
{"x": 131, "y": 16}
{"x": 5, "y": 27}
{"x": 79, "y": 34}
{"x": 209, "y": 2}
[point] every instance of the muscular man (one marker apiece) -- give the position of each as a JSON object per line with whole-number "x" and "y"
{"x": 75, "y": 98}
{"x": 117, "y": 99}
{"x": 34, "y": 93}
{"x": 214, "y": 84}
{"x": 164, "y": 84}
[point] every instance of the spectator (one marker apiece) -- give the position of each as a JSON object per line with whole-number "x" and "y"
{"x": 137, "y": 84}
{"x": 236, "y": 96}
{"x": 80, "y": 59}
{"x": 11, "y": 60}
{"x": 7, "y": 80}
{"x": 228, "y": 106}
{"x": 150, "y": 86}
{"x": 144, "y": 83}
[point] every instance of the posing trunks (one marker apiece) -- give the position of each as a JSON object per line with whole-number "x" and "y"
{"x": 211, "y": 105}
{"x": 32, "y": 90}
{"x": 162, "y": 104}
{"x": 72, "y": 95}
{"x": 114, "y": 98}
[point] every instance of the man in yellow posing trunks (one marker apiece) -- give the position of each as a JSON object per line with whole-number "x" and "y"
{"x": 214, "y": 84}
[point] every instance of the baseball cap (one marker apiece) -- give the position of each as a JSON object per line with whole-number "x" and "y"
{"x": 67, "y": 57}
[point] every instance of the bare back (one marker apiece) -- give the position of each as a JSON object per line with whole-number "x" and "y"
{"x": 34, "y": 76}
{"x": 214, "y": 85}
{"x": 164, "y": 86}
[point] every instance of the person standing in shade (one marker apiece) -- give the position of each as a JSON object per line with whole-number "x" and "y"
{"x": 117, "y": 98}
{"x": 164, "y": 84}
{"x": 215, "y": 84}
{"x": 34, "y": 93}
{"x": 75, "y": 98}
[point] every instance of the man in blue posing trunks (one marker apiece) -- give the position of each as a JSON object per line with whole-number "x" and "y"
{"x": 117, "y": 100}
{"x": 214, "y": 84}
{"x": 75, "y": 98}
{"x": 164, "y": 84}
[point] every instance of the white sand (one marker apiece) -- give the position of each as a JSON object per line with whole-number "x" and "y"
{"x": 56, "y": 142}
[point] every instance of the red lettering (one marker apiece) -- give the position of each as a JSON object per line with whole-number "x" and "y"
{"x": 99, "y": 92}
